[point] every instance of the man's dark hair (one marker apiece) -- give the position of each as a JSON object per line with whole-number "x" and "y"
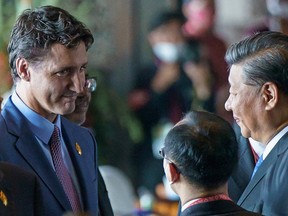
{"x": 264, "y": 57}
{"x": 204, "y": 149}
{"x": 37, "y": 29}
{"x": 164, "y": 18}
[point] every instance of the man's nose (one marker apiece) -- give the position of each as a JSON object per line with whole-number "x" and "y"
{"x": 227, "y": 104}
{"x": 78, "y": 82}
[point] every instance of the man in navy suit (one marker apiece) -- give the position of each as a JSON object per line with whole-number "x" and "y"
{"x": 48, "y": 60}
{"x": 200, "y": 153}
{"x": 259, "y": 99}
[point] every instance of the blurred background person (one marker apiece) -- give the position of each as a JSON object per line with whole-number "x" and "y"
{"x": 278, "y": 15}
{"x": 83, "y": 101}
{"x": 199, "y": 154}
{"x": 276, "y": 18}
{"x": 200, "y": 22}
{"x": 165, "y": 89}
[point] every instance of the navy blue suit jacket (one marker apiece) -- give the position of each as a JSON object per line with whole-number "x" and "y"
{"x": 19, "y": 146}
{"x": 267, "y": 191}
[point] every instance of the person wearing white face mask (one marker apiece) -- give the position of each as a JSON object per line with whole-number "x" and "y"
{"x": 169, "y": 52}
{"x": 177, "y": 80}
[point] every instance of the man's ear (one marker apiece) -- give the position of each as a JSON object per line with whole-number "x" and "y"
{"x": 22, "y": 69}
{"x": 174, "y": 174}
{"x": 270, "y": 94}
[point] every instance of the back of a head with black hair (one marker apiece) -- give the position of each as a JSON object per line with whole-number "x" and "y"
{"x": 204, "y": 149}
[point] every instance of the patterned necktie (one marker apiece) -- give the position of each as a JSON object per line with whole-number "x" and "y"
{"x": 259, "y": 162}
{"x": 62, "y": 172}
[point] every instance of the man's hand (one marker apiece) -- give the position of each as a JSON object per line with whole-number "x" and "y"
{"x": 166, "y": 75}
{"x": 201, "y": 77}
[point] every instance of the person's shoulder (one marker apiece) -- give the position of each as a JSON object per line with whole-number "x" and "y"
{"x": 74, "y": 129}
{"x": 72, "y": 125}
{"x": 15, "y": 173}
{"x": 6, "y": 166}
{"x": 245, "y": 213}
{"x": 10, "y": 116}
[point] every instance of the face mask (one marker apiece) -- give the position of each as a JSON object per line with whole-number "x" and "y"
{"x": 167, "y": 52}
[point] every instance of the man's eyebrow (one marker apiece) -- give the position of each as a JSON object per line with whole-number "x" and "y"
{"x": 70, "y": 68}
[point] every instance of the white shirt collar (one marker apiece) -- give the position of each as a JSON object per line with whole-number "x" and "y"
{"x": 274, "y": 141}
{"x": 257, "y": 146}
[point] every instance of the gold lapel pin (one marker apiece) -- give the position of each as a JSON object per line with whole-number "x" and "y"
{"x": 3, "y": 198}
{"x": 78, "y": 148}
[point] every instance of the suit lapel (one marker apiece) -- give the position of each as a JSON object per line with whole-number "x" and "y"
{"x": 246, "y": 160}
{"x": 265, "y": 167}
{"x": 79, "y": 149}
{"x": 32, "y": 153}
{"x": 30, "y": 150}
{"x": 242, "y": 174}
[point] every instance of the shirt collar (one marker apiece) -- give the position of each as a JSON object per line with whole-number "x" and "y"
{"x": 257, "y": 146}
{"x": 41, "y": 127}
{"x": 274, "y": 141}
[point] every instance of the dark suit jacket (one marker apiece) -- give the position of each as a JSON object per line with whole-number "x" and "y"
{"x": 269, "y": 184}
{"x": 22, "y": 191}
{"x": 18, "y": 145}
{"x": 103, "y": 198}
{"x": 243, "y": 172}
{"x": 277, "y": 175}
{"x": 219, "y": 207}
